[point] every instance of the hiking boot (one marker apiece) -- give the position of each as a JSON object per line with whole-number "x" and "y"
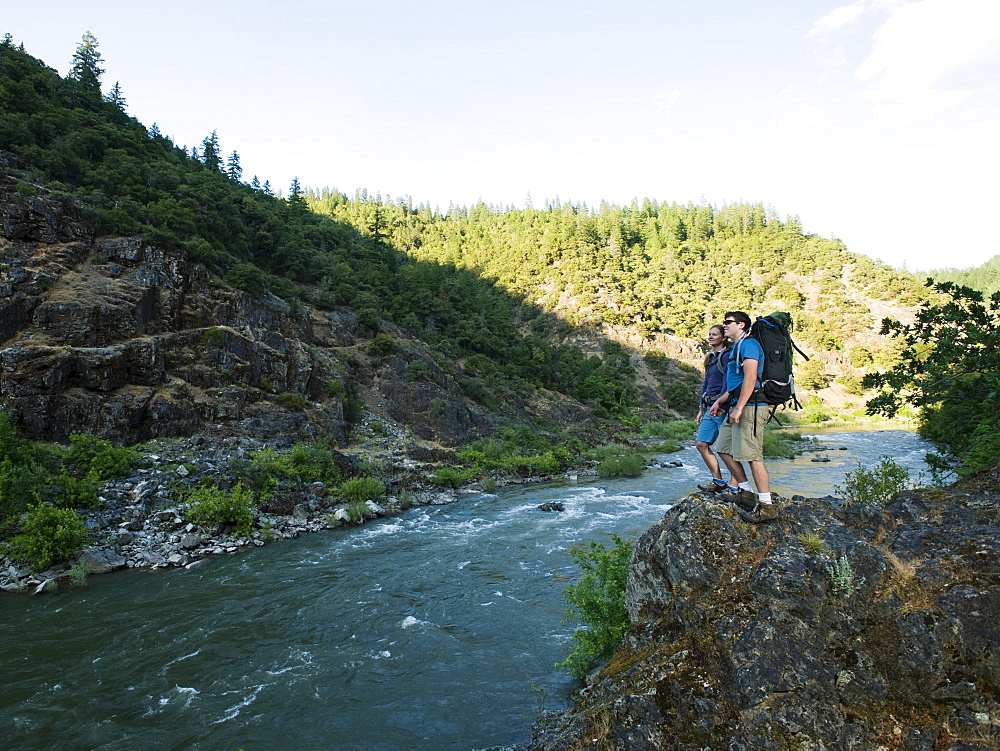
{"x": 744, "y": 499}
{"x": 713, "y": 487}
{"x": 762, "y": 512}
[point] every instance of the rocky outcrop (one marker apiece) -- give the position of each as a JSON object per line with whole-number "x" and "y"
{"x": 131, "y": 342}
{"x": 831, "y": 628}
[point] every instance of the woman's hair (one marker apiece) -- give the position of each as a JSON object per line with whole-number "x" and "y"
{"x": 722, "y": 333}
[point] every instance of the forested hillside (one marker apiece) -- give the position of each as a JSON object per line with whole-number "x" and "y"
{"x": 649, "y": 268}
{"x": 985, "y": 278}
{"x": 562, "y": 298}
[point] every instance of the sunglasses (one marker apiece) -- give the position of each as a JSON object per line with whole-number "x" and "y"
{"x": 728, "y": 321}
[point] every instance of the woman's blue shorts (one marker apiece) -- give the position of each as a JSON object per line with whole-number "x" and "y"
{"x": 708, "y": 428}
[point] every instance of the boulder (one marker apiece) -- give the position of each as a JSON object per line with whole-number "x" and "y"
{"x": 101, "y": 560}
{"x": 832, "y": 627}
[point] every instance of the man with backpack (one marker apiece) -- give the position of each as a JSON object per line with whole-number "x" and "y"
{"x": 741, "y": 437}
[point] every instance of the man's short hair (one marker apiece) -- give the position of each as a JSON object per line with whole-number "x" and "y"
{"x": 741, "y": 317}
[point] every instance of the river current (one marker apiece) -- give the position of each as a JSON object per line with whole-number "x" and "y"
{"x": 436, "y": 629}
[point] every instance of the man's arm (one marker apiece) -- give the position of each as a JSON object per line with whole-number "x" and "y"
{"x": 746, "y": 389}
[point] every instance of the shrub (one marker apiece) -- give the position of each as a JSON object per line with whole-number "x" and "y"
{"x": 381, "y": 344}
{"x": 677, "y": 430}
{"x": 852, "y": 384}
{"x": 97, "y": 459}
{"x": 358, "y": 511}
{"x": 782, "y": 444}
{"x": 418, "y": 370}
{"x": 874, "y": 487}
{"x": 48, "y": 536}
{"x": 811, "y": 375}
{"x": 21, "y": 483}
{"x": 76, "y": 492}
{"x": 335, "y": 389}
{"x": 78, "y": 574}
{"x": 210, "y": 505}
{"x": 361, "y": 489}
{"x": 665, "y": 447}
{"x": 213, "y": 337}
{"x": 518, "y": 450}
{"x": 630, "y": 465}
{"x": 985, "y": 447}
{"x": 310, "y": 462}
{"x": 598, "y": 599}
{"x": 305, "y": 463}
{"x": 813, "y": 413}
{"x": 247, "y": 277}
{"x": 292, "y": 401}
{"x": 452, "y": 477}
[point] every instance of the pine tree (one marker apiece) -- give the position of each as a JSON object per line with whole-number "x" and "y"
{"x": 233, "y": 168}
{"x": 255, "y": 183}
{"x": 85, "y": 74}
{"x": 154, "y": 131}
{"x": 210, "y": 153}
{"x": 116, "y": 97}
{"x": 295, "y": 197}
{"x": 267, "y": 188}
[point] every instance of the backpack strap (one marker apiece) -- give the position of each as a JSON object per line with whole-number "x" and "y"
{"x": 739, "y": 361}
{"x": 718, "y": 359}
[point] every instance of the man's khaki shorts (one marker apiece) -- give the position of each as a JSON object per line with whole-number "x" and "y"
{"x": 738, "y": 439}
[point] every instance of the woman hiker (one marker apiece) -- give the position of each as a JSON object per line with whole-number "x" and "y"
{"x": 708, "y": 426}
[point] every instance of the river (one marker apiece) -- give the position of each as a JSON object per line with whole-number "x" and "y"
{"x": 437, "y": 629}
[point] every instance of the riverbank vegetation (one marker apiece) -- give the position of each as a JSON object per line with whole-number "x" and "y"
{"x": 598, "y": 600}
{"x": 66, "y": 477}
{"x": 875, "y": 486}
{"x": 949, "y": 370}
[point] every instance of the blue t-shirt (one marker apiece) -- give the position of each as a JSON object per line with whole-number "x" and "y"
{"x": 715, "y": 381}
{"x": 745, "y": 349}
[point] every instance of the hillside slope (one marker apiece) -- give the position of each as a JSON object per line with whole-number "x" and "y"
{"x": 118, "y": 337}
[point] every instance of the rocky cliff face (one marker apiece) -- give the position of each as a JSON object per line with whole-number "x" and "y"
{"x": 832, "y": 628}
{"x": 129, "y": 341}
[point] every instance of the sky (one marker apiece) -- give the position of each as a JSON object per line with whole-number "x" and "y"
{"x": 876, "y": 122}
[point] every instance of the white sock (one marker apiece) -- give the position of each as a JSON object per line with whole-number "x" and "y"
{"x": 745, "y": 486}
{"x": 764, "y": 498}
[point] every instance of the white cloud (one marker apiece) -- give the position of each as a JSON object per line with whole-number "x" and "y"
{"x": 847, "y": 15}
{"x": 838, "y": 18}
{"x": 924, "y": 44}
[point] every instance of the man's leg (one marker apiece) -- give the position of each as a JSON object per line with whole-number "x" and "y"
{"x": 735, "y": 468}
{"x": 724, "y": 445}
{"x": 761, "y": 477}
{"x": 751, "y": 443}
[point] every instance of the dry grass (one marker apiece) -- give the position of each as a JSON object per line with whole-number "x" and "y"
{"x": 597, "y": 725}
